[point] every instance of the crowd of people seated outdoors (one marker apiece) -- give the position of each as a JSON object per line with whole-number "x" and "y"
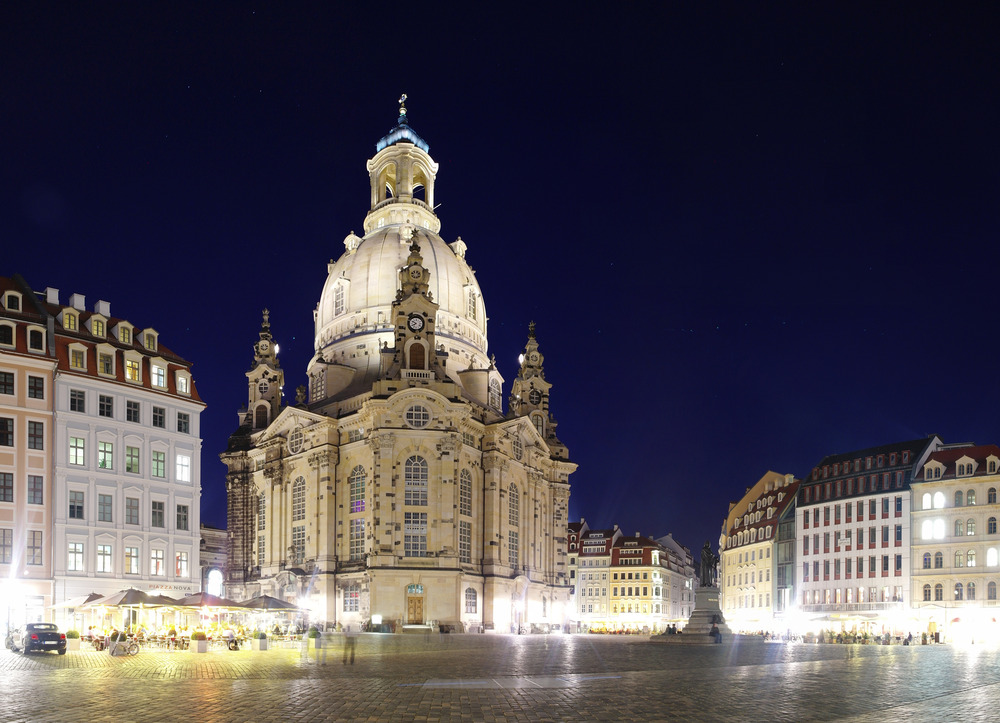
{"x": 169, "y": 637}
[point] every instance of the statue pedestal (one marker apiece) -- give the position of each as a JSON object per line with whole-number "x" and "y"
{"x": 706, "y": 609}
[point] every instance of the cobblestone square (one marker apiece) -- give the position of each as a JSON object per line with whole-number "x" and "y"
{"x": 519, "y": 678}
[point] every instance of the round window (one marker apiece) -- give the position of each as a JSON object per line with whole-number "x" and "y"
{"x": 535, "y": 397}
{"x": 262, "y": 387}
{"x": 295, "y": 441}
{"x": 418, "y": 417}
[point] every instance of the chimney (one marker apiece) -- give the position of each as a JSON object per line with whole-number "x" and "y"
{"x": 51, "y": 295}
{"x": 638, "y": 534}
{"x": 102, "y": 307}
{"x": 78, "y": 302}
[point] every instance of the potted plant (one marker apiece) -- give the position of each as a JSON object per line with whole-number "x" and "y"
{"x": 313, "y": 634}
{"x": 199, "y": 642}
{"x": 72, "y": 640}
{"x": 259, "y": 641}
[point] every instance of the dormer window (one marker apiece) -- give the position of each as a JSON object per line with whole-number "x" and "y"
{"x": 13, "y": 301}
{"x": 494, "y": 399}
{"x": 133, "y": 367}
{"x": 36, "y": 340}
{"x": 149, "y": 340}
{"x": 183, "y": 381}
{"x": 338, "y": 300}
{"x": 70, "y": 321}
{"x": 6, "y": 335}
{"x": 97, "y": 327}
{"x": 78, "y": 357}
{"x": 124, "y": 334}
{"x": 158, "y": 373}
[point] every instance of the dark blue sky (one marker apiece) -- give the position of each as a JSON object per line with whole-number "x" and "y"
{"x": 749, "y": 237}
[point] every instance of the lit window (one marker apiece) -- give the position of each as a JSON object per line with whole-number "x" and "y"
{"x": 132, "y": 370}
{"x": 183, "y": 468}
{"x": 131, "y": 560}
{"x": 132, "y": 460}
{"x": 70, "y": 322}
{"x": 150, "y": 341}
{"x": 77, "y": 359}
{"x": 105, "y": 363}
{"x": 181, "y": 566}
{"x": 76, "y": 450}
{"x": 74, "y": 561}
{"x": 357, "y": 487}
{"x": 97, "y": 327}
{"x": 105, "y": 455}
{"x": 104, "y": 558}
{"x": 415, "y": 476}
{"x": 156, "y": 566}
{"x": 183, "y": 384}
{"x": 299, "y": 499}
{"x": 159, "y": 376}
{"x": 125, "y": 335}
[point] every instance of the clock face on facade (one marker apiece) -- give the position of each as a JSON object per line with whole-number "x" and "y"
{"x": 535, "y": 397}
{"x": 416, "y": 323}
{"x": 263, "y": 346}
{"x": 416, "y": 272}
{"x": 533, "y": 357}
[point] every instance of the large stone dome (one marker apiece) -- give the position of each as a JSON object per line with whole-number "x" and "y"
{"x": 353, "y": 315}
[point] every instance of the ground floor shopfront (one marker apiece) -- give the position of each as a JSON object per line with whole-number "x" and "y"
{"x": 24, "y": 601}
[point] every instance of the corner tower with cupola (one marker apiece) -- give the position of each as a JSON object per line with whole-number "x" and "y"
{"x": 398, "y": 488}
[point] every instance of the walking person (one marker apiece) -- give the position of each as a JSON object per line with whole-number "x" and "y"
{"x": 350, "y": 641}
{"x": 321, "y": 647}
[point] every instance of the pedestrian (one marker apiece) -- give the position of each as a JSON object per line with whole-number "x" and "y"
{"x": 350, "y": 641}
{"x": 321, "y": 647}
{"x": 716, "y": 635}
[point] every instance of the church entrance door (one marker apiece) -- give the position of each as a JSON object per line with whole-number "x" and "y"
{"x": 414, "y": 610}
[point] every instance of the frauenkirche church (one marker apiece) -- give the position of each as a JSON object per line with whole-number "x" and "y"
{"x": 397, "y": 488}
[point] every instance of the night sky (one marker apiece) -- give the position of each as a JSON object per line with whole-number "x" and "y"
{"x": 748, "y": 237}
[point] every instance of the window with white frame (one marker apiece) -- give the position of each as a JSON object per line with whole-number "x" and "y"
{"x": 352, "y": 598}
{"x": 465, "y": 541}
{"x": 104, "y": 558}
{"x": 183, "y": 517}
{"x": 261, "y": 511}
{"x": 159, "y": 376}
{"x": 415, "y": 534}
{"x": 133, "y": 412}
{"x": 357, "y": 538}
{"x": 514, "y": 505}
{"x": 36, "y": 490}
{"x": 106, "y": 455}
{"x": 132, "y": 460}
{"x": 131, "y": 560}
{"x": 494, "y": 394}
{"x": 75, "y": 505}
{"x": 183, "y": 468}
{"x": 183, "y": 383}
{"x": 74, "y": 559}
{"x": 299, "y": 499}
{"x": 417, "y": 416}
{"x": 298, "y": 544}
{"x": 159, "y": 464}
{"x": 470, "y": 600}
{"x": 512, "y": 548}
{"x": 6, "y": 432}
{"x": 133, "y": 373}
{"x": 156, "y": 563}
{"x": 77, "y": 400}
{"x": 105, "y": 505}
{"x": 77, "y": 358}
{"x": 465, "y": 493}
{"x": 415, "y": 476}
{"x": 356, "y": 482}
{"x": 157, "y": 517}
{"x": 160, "y": 417}
{"x": 132, "y": 510}
{"x": 181, "y": 564}
{"x": 183, "y": 422}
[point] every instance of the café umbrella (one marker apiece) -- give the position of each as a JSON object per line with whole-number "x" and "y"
{"x": 131, "y": 599}
{"x": 266, "y": 602}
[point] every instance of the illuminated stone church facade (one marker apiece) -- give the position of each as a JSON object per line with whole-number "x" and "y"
{"x": 397, "y": 488}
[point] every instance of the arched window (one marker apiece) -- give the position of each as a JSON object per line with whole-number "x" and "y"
{"x": 970, "y": 558}
{"x": 991, "y": 526}
{"x": 925, "y": 501}
{"x": 991, "y": 591}
{"x": 970, "y": 527}
{"x": 970, "y": 496}
{"x": 465, "y": 493}
{"x": 6, "y": 334}
{"x": 970, "y": 591}
{"x": 938, "y": 593}
{"x": 958, "y": 497}
{"x": 938, "y": 529}
{"x": 514, "y": 502}
{"x": 418, "y": 357}
{"x": 959, "y": 528}
{"x": 356, "y": 482}
{"x": 261, "y": 511}
{"x": 927, "y": 561}
{"x": 938, "y": 560}
{"x": 927, "y": 593}
{"x": 260, "y": 417}
{"x": 959, "y": 558}
{"x": 991, "y": 557}
{"x": 938, "y": 500}
{"x": 991, "y": 494}
{"x": 926, "y": 529}
{"x": 494, "y": 400}
{"x": 470, "y": 600}
{"x": 958, "y": 590}
{"x": 299, "y": 499}
{"x": 415, "y": 475}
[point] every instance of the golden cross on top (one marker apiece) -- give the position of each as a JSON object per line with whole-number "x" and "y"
{"x": 402, "y": 104}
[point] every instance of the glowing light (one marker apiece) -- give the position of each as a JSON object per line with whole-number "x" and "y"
{"x": 376, "y": 619}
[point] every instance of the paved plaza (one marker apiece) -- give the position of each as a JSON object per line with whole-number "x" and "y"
{"x": 502, "y": 677}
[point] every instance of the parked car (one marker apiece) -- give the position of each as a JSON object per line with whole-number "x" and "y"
{"x": 40, "y": 637}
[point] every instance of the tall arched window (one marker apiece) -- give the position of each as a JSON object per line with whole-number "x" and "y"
{"x": 938, "y": 560}
{"x": 465, "y": 493}
{"x": 260, "y": 417}
{"x": 938, "y": 500}
{"x": 970, "y": 527}
{"x": 418, "y": 357}
{"x": 927, "y": 561}
{"x": 299, "y": 499}
{"x": 958, "y": 591}
{"x": 494, "y": 400}
{"x": 514, "y": 505}
{"x": 970, "y": 558}
{"x": 958, "y": 498}
{"x": 970, "y": 497}
{"x": 991, "y": 526}
{"x": 261, "y": 511}
{"x": 991, "y": 495}
{"x": 356, "y": 482}
{"x": 938, "y": 593}
{"x": 991, "y": 557}
{"x": 415, "y": 475}
{"x": 925, "y": 501}
{"x": 970, "y": 591}
{"x": 991, "y": 591}
{"x": 959, "y": 528}
{"x": 959, "y": 558}
{"x": 470, "y": 600}
{"x": 927, "y": 593}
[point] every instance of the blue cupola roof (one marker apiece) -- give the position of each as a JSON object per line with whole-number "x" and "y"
{"x": 402, "y": 132}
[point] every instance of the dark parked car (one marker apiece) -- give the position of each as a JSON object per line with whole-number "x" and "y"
{"x": 39, "y": 637}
